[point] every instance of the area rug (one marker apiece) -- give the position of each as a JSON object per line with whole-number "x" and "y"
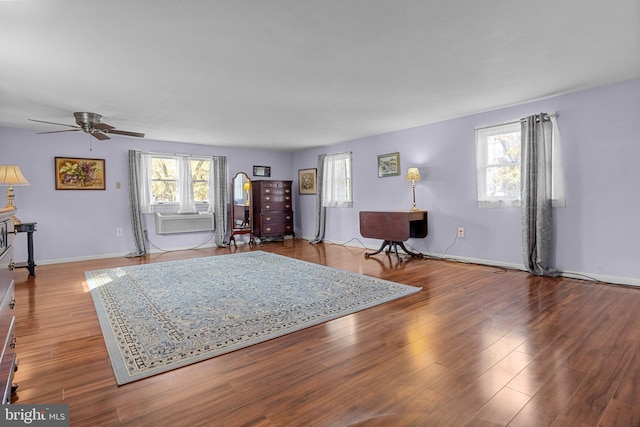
{"x": 162, "y": 316}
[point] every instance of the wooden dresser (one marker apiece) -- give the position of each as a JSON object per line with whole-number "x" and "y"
{"x": 272, "y": 209}
{"x": 7, "y": 302}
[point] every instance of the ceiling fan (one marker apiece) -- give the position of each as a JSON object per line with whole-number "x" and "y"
{"x": 91, "y": 123}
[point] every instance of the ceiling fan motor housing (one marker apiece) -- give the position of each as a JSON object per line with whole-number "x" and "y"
{"x": 87, "y": 120}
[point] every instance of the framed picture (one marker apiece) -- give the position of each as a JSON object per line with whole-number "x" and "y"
{"x": 307, "y": 181}
{"x": 262, "y": 171}
{"x": 388, "y": 164}
{"x": 79, "y": 174}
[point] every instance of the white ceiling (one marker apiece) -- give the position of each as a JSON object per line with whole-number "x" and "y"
{"x": 290, "y": 74}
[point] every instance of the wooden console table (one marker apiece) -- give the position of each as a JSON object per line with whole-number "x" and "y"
{"x": 394, "y": 228}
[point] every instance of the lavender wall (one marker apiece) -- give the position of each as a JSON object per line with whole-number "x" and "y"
{"x": 595, "y": 234}
{"x": 82, "y": 224}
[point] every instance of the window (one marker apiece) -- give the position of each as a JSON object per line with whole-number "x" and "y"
{"x": 179, "y": 183}
{"x": 336, "y": 186}
{"x": 498, "y": 165}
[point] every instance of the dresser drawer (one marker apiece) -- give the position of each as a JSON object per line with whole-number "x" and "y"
{"x": 275, "y": 185}
{"x": 276, "y": 198}
{"x": 277, "y": 229}
{"x": 276, "y": 217}
{"x": 8, "y": 363}
{"x": 276, "y": 206}
{"x": 6, "y": 234}
{"x": 6, "y": 272}
{"x": 7, "y": 302}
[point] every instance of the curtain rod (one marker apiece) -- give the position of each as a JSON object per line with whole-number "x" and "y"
{"x": 178, "y": 154}
{"x": 512, "y": 122}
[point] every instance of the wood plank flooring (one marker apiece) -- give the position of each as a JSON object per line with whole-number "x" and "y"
{"x": 478, "y": 346}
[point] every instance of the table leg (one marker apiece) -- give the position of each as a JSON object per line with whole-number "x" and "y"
{"x": 384, "y": 245}
{"x": 393, "y": 247}
{"x": 31, "y": 264}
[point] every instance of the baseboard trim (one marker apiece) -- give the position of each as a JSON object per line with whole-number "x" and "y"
{"x": 590, "y": 277}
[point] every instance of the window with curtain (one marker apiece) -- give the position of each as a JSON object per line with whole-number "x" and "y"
{"x": 336, "y": 186}
{"x": 498, "y": 153}
{"x": 178, "y": 183}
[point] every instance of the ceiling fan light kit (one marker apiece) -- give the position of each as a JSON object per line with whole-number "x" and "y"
{"x": 91, "y": 123}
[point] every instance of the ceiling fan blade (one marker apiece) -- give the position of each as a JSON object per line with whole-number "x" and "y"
{"x": 99, "y": 135}
{"x": 58, "y": 131}
{"x": 126, "y": 133}
{"x": 53, "y": 123}
{"x": 103, "y": 126}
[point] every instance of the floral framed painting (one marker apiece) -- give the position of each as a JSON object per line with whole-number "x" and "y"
{"x": 79, "y": 174}
{"x": 307, "y": 181}
{"x": 388, "y": 164}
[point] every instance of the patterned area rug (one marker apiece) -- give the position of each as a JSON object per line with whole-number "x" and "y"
{"x": 162, "y": 316}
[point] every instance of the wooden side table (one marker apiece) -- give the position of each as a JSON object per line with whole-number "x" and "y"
{"x": 29, "y": 228}
{"x": 393, "y": 228}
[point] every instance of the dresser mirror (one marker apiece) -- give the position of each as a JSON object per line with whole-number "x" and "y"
{"x": 241, "y": 212}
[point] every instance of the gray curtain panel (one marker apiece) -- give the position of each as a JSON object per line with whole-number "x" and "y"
{"x": 221, "y": 196}
{"x": 536, "y": 167}
{"x": 320, "y": 210}
{"x": 137, "y": 219}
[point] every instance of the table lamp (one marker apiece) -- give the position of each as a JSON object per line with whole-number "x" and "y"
{"x": 413, "y": 175}
{"x": 11, "y": 175}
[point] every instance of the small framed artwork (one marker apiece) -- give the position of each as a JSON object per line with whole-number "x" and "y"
{"x": 79, "y": 174}
{"x": 307, "y": 181}
{"x": 388, "y": 164}
{"x": 262, "y": 171}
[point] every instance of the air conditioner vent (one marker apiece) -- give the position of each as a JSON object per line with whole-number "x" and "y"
{"x": 167, "y": 223}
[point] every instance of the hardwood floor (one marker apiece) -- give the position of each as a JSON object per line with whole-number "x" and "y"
{"x": 478, "y": 346}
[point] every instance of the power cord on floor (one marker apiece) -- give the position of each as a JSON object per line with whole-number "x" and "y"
{"x": 210, "y": 236}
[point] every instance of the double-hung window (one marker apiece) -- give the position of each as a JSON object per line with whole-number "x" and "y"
{"x": 498, "y": 154}
{"x": 179, "y": 183}
{"x": 498, "y": 165}
{"x": 336, "y": 185}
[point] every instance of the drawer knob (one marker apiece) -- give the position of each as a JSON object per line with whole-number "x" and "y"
{"x": 267, "y": 191}
{"x": 268, "y": 218}
{"x": 287, "y": 206}
{"x": 267, "y": 207}
{"x": 12, "y": 265}
{"x": 12, "y": 304}
{"x": 268, "y": 228}
{"x": 267, "y": 198}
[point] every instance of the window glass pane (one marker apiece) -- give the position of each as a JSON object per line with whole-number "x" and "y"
{"x": 164, "y": 191}
{"x": 503, "y": 148}
{"x": 163, "y": 168}
{"x": 200, "y": 179}
{"x": 503, "y": 182}
{"x": 164, "y": 185}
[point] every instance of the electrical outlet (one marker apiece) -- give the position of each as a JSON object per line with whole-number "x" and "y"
{"x": 460, "y": 231}
{"x": 118, "y": 231}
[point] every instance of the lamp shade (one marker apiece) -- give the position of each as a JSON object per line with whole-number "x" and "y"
{"x": 11, "y": 175}
{"x": 413, "y": 174}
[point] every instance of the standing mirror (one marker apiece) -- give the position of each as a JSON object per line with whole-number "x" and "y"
{"x": 241, "y": 212}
